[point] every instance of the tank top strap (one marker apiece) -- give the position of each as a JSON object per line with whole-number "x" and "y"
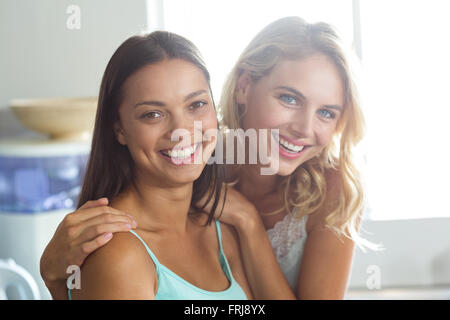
{"x": 155, "y": 260}
{"x": 222, "y": 257}
{"x": 219, "y": 237}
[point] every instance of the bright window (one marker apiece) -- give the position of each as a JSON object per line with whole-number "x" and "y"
{"x": 406, "y": 61}
{"x": 222, "y": 29}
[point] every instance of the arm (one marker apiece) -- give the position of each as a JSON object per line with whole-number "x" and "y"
{"x": 231, "y": 249}
{"x": 106, "y": 273}
{"x": 325, "y": 265}
{"x": 263, "y": 271}
{"x": 327, "y": 257}
{"x": 265, "y": 277}
{"x": 80, "y": 233}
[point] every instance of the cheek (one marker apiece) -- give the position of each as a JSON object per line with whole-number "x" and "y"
{"x": 208, "y": 120}
{"x": 142, "y": 137}
{"x": 265, "y": 113}
{"x": 209, "y": 126}
{"x": 324, "y": 135}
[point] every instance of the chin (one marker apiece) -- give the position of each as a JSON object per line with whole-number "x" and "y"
{"x": 285, "y": 171}
{"x": 185, "y": 177}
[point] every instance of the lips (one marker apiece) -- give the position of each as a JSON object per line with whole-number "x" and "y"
{"x": 181, "y": 156}
{"x": 289, "y": 148}
{"x": 181, "y": 153}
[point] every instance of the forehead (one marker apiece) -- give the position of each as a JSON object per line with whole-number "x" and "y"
{"x": 316, "y": 77}
{"x": 165, "y": 80}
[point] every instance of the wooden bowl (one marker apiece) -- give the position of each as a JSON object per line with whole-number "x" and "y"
{"x": 61, "y": 119}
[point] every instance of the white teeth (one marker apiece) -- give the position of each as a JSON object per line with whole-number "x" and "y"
{"x": 183, "y": 153}
{"x": 290, "y": 146}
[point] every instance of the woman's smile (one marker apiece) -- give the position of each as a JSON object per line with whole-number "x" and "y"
{"x": 297, "y": 98}
{"x": 182, "y": 156}
{"x": 289, "y": 148}
{"x": 164, "y": 102}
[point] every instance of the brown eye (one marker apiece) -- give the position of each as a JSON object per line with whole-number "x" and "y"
{"x": 152, "y": 115}
{"x": 197, "y": 105}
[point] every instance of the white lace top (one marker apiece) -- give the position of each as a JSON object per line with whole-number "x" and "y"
{"x": 288, "y": 237}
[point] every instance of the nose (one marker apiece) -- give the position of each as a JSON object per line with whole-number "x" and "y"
{"x": 181, "y": 128}
{"x": 302, "y": 124}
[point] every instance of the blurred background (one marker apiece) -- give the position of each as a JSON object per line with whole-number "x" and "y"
{"x": 58, "y": 49}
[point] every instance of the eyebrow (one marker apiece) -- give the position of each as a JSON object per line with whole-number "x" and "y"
{"x": 299, "y": 94}
{"x": 162, "y": 104}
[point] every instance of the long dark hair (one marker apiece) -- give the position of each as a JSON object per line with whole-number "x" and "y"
{"x": 111, "y": 169}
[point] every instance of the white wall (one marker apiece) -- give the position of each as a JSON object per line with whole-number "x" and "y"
{"x": 41, "y": 57}
{"x": 417, "y": 253}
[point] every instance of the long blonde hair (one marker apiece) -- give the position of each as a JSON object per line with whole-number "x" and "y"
{"x": 305, "y": 188}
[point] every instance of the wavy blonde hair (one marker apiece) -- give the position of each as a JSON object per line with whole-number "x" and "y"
{"x": 293, "y": 38}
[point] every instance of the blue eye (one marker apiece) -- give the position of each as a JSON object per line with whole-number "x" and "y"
{"x": 197, "y": 105}
{"x": 152, "y": 115}
{"x": 327, "y": 114}
{"x": 288, "y": 99}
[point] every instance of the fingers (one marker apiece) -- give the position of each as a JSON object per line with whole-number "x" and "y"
{"x": 96, "y": 230}
{"x": 95, "y": 203}
{"x": 107, "y": 219}
{"x": 105, "y": 222}
{"x": 88, "y": 213}
{"x": 90, "y": 246}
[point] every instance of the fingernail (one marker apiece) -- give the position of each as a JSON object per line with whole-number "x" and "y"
{"x": 128, "y": 226}
{"x": 134, "y": 224}
{"x": 108, "y": 235}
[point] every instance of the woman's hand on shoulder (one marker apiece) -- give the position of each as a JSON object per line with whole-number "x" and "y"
{"x": 78, "y": 235}
{"x": 238, "y": 211}
{"x": 121, "y": 269}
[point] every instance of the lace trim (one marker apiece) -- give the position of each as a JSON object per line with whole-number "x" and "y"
{"x": 285, "y": 233}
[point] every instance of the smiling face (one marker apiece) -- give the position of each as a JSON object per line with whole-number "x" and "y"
{"x": 157, "y": 100}
{"x": 303, "y": 99}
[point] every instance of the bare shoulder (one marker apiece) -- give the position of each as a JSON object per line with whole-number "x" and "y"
{"x": 121, "y": 269}
{"x": 123, "y": 248}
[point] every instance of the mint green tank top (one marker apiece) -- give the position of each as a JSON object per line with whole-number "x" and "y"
{"x": 173, "y": 287}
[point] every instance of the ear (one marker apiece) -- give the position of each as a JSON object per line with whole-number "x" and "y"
{"x": 118, "y": 131}
{"x": 242, "y": 87}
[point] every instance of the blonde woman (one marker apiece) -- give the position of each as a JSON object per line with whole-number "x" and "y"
{"x": 297, "y": 228}
{"x": 294, "y": 77}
